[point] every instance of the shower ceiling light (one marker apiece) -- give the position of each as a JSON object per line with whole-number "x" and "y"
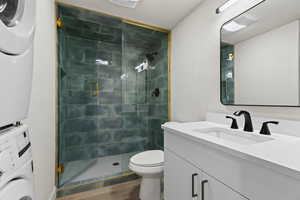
{"x": 125, "y": 3}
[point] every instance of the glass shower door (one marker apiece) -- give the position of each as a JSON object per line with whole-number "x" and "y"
{"x": 90, "y": 98}
{"x": 78, "y": 91}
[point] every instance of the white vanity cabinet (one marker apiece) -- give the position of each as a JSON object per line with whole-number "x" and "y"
{"x": 230, "y": 174}
{"x": 184, "y": 181}
{"x": 180, "y": 177}
{"x": 215, "y": 190}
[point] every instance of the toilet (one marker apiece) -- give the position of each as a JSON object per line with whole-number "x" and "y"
{"x": 149, "y": 165}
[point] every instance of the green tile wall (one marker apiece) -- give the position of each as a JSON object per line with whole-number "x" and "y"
{"x": 124, "y": 117}
{"x": 227, "y": 66}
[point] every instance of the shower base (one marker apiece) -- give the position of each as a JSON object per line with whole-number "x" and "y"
{"x": 88, "y": 171}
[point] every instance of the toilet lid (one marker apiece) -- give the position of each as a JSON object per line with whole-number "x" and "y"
{"x": 148, "y": 158}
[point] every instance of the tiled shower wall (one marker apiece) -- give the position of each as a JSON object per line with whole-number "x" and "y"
{"x": 158, "y": 106}
{"x": 155, "y": 109}
{"x": 101, "y": 113}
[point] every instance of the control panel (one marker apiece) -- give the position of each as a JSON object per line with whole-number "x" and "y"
{"x": 15, "y": 150}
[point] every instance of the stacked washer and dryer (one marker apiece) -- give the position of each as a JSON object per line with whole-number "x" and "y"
{"x": 17, "y": 25}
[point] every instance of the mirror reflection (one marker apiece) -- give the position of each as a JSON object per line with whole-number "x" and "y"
{"x": 260, "y": 56}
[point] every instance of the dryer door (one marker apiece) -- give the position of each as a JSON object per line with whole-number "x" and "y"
{"x": 16, "y": 25}
{"x": 11, "y": 11}
{"x": 19, "y": 189}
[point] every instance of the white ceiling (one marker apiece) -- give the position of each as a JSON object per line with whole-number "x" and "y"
{"x": 270, "y": 15}
{"x": 162, "y": 13}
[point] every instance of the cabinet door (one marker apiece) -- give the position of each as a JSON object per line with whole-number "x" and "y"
{"x": 181, "y": 179}
{"x": 212, "y": 189}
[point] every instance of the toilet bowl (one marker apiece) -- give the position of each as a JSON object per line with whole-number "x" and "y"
{"x": 149, "y": 165}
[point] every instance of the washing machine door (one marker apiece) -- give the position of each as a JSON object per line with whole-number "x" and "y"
{"x": 17, "y": 23}
{"x": 19, "y": 189}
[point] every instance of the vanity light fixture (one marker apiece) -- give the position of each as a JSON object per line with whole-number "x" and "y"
{"x": 233, "y": 26}
{"x": 226, "y": 5}
{"x": 126, "y": 3}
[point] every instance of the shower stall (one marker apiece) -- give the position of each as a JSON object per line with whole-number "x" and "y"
{"x": 113, "y": 94}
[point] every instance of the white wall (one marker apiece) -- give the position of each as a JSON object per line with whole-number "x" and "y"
{"x": 41, "y": 117}
{"x": 267, "y": 67}
{"x": 196, "y": 65}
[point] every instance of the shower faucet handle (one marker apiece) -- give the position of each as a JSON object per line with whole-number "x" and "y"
{"x": 156, "y": 92}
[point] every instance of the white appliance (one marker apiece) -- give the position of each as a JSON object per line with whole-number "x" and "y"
{"x": 17, "y": 25}
{"x": 16, "y": 166}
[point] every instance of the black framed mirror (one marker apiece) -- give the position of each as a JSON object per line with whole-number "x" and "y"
{"x": 260, "y": 56}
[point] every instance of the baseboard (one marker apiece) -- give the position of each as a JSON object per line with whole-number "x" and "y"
{"x": 53, "y": 194}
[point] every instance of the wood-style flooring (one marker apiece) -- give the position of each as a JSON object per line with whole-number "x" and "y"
{"x": 124, "y": 191}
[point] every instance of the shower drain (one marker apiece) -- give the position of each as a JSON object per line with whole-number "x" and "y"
{"x": 116, "y": 164}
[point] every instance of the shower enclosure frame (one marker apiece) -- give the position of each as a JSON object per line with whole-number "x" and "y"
{"x": 58, "y": 23}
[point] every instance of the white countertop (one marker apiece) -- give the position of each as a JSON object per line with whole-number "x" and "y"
{"x": 281, "y": 154}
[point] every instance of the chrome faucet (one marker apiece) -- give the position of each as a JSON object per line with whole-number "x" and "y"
{"x": 248, "y": 122}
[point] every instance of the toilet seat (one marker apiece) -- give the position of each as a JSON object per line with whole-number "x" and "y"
{"x": 153, "y": 158}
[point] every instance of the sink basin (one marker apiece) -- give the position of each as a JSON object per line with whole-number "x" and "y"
{"x": 235, "y": 136}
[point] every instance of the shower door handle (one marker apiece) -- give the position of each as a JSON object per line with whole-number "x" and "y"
{"x": 95, "y": 91}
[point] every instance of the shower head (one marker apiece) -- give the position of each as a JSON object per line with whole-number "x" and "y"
{"x": 151, "y": 56}
{"x": 143, "y": 66}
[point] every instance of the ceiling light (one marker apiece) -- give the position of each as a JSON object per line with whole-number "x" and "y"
{"x": 125, "y": 3}
{"x": 233, "y": 26}
{"x": 246, "y": 19}
{"x": 226, "y": 5}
